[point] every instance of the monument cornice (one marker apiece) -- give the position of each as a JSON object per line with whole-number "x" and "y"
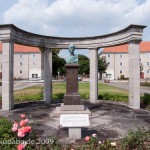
{"x": 19, "y": 36}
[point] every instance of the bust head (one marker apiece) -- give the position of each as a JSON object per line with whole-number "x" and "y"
{"x": 71, "y": 48}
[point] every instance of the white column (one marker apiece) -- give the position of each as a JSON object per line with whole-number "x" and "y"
{"x": 47, "y": 75}
{"x": 93, "y": 75}
{"x": 42, "y": 65}
{"x": 134, "y": 74}
{"x": 7, "y": 75}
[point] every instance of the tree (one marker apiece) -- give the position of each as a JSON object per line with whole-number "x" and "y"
{"x": 58, "y": 63}
{"x": 83, "y": 61}
{"x": 102, "y": 65}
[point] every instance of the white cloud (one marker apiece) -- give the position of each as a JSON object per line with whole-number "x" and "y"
{"x": 77, "y": 18}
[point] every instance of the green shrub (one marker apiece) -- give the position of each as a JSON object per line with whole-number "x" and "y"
{"x": 26, "y": 97}
{"x": 146, "y": 98}
{"x": 116, "y": 97}
{"x": 6, "y": 135}
{"x": 145, "y": 84}
{"x": 122, "y": 77}
{"x": 135, "y": 140}
{"x": 58, "y": 96}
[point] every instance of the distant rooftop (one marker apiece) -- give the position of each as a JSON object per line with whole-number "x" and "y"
{"x": 144, "y": 47}
{"x": 23, "y": 49}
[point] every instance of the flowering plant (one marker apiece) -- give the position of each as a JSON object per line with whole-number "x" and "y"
{"x": 92, "y": 142}
{"x": 22, "y": 129}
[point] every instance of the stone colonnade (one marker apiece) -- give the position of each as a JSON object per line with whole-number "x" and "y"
{"x": 10, "y": 34}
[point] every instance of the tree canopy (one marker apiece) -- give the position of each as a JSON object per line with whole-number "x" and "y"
{"x": 57, "y": 63}
{"x": 83, "y": 61}
{"x": 102, "y": 65}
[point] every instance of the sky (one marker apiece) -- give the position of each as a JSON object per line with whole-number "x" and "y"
{"x": 75, "y": 18}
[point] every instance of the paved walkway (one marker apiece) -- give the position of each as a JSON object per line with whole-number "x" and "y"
{"x": 125, "y": 86}
{"x": 106, "y": 120}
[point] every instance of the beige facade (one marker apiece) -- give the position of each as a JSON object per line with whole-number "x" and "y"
{"x": 119, "y": 64}
{"x": 26, "y": 65}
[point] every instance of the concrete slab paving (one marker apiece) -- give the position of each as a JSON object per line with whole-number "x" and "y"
{"x": 107, "y": 120}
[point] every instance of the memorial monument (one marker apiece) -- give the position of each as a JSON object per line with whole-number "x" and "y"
{"x": 72, "y": 114}
{"x": 72, "y": 96}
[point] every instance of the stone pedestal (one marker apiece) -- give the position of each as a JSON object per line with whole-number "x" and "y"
{"x": 74, "y": 133}
{"x": 72, "y": 114}
{"x": 72, "y": 96}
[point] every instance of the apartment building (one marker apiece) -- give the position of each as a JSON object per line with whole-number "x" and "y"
{"x": 27, "y": 62}
{"x": 118, "y": 60}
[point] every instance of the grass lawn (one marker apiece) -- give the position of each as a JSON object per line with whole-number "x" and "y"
{"x": 105, "y": 92}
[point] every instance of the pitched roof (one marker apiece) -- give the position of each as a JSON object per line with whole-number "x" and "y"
{"x": 23, "y": 49}
{"x": 144, "y": 47}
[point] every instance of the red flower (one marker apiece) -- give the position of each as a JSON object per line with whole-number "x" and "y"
{"x": 26, "y": 129}
{"x": 22, "y": 116}
{"x": 23, "y": 122}
{"x": 22, "y": 131}
{"x": 21, "y": 146}
{"x": 87, "y": 138}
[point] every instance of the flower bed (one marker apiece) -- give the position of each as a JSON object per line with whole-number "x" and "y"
{"x": 20, "y": 135}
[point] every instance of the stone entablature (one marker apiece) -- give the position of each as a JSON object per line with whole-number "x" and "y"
{"x": 10, "y": 31}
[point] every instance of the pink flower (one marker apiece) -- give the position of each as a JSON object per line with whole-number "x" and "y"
{"x": 22, "y": 116}
{"x": 94, "y": 135}
{"x": 21, "y": 146}
{"x": 27, "y": 120}
{"x": 87, "y": 138}
{"x": 20, "y": 133}
{"x": 14, "y": 128}
{"x": 15, "y": 124}
{"x": 99, "y": 142}
{"x": 23, "y": 122}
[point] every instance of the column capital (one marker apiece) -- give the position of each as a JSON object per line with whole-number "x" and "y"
{"x": 7, "y": 40}
{"x": 96, "y": 48}
{"x": 43, "y": 49}
{"x": 135, "y": 41}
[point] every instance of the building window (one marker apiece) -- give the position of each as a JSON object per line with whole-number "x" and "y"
{"x": 148, "y": 71}
{"x": 108, "y": 63}
{"x": 34, "y": 75}
{"x": 147, "y": 63}
{"x": 103, "y": 57}
{"x": 20, "y": 63}
{"x": 121, "y": 55}
{"x": 33, "y": 63}
{"x": 120, "y": 63}
{"x": 109, "y": 56}
{"x": 20, "y": 55}
{"x": 20, "y": 71}
{"x": 33, "y": 55}
{"x": 120, "y": 71}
